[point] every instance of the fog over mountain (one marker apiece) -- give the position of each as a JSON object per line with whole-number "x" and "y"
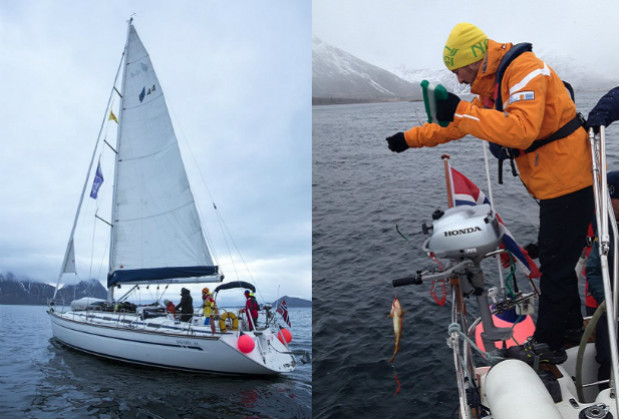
{"x": 578, "y": 74}
{"x": 340, "y": 77}
{"x": 22, "y": 290}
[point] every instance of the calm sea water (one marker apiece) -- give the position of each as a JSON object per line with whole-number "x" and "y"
{"x": 361, "y": 191}
{"x": 40, "y": 378}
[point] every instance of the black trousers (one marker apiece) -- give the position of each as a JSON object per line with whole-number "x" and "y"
{"x": 562, "y": 233}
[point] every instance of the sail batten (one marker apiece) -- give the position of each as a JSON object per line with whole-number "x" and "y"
{"x": 157, "y": 233}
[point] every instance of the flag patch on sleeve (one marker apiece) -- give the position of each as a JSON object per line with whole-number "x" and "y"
{"x": 528, "y": 95}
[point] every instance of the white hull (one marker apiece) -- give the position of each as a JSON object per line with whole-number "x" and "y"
{"x": 160, "y": 342}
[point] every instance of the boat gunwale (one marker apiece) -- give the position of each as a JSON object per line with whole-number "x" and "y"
{"x": 153, "y": 330}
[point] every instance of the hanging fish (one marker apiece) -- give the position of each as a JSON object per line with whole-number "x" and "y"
{"x": 396, "y": 314}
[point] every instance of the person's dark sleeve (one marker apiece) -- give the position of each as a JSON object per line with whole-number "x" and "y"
{"x": 606, "y": 110}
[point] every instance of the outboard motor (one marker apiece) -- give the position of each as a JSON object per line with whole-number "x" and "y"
{"x": 466, "y": 231}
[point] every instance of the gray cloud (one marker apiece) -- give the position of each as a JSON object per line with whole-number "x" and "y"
{"x": 237, "y": 78}
{"x": 397, "y": 34}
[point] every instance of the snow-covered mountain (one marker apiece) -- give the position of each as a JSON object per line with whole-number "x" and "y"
{"x": 339, "y": 77}
{"x": 14, "y": 290}
{"x": 439, "y": 76}
{"x": 582, "y": 76}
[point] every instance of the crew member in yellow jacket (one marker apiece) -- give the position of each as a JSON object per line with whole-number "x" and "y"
{"x": 520, "y": 101}
{"x": 210, "y": 308}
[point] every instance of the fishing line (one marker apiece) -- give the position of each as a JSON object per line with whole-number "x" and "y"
{"x": 417, "y": 116}
{"x": 400, "y": 233}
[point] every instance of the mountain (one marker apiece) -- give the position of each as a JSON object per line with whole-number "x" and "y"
{"x": 340, "y": 77}
{"x": 86, "y": 288}
{"x": 582, "y": 76}
{"x": 28, "y": 292}
{"x": 436, "y": 76}
{"x": 293, "y": 302}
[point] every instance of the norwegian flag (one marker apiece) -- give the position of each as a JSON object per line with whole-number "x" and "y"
{"x": 465, "y": 192}
{"x": 283, "y": 311}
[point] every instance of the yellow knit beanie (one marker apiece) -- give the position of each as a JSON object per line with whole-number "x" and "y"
{"x": 466, "y": 44}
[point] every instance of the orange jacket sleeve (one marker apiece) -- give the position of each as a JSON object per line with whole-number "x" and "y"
{"x": 521, "y": 121}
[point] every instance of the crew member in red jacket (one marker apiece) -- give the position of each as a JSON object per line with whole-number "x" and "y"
{"x": 251, "y": 309}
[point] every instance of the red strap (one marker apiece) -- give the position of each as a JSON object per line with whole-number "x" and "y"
{"x": 433, "y": 257}
{"x": 440, "y": 301}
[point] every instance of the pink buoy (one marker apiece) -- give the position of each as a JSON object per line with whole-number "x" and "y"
{"x": 522, "y": 330}
{"x": 284, "y": 335}
{"x": 246, "y": 344}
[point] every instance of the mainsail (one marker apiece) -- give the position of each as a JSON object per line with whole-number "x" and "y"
{"x": 156, "y": 233}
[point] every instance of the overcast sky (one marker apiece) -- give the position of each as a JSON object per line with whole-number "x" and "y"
{"x": 411, "y": 34}
{"x": 237, "y": 79}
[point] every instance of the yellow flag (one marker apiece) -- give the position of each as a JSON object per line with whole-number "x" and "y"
{"x": 112, "y": 117}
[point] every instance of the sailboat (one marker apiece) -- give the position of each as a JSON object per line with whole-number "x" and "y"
{"x": 490, "y": 384}
{"x": 156, "y": 238}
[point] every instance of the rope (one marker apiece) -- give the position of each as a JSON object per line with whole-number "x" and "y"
{"x": 443, "y": 288}
{"x": 433, "y": 257}
{"x": 512, "y": 275}
{"x": 443, "y": 283}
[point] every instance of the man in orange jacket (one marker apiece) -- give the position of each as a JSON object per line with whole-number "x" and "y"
{"x": 523, "y": 108}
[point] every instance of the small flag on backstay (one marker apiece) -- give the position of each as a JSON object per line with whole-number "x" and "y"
{"x": 283, "y": 311}
{"x": 112, "y": 117}
{"x": 96, "y": 183}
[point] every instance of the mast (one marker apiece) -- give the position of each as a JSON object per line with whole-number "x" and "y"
{"x": 69, "y": 250}
{"x": 121, "y": 111}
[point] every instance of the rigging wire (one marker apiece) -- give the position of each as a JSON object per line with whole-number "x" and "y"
{"x": 222, "y": 225}
{"x": 102, "y": 134}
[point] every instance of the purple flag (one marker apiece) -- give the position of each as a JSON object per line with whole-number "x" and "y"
{"x": 96, "y": 183}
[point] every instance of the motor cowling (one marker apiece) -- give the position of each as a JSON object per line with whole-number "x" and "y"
{"x": 466, "y": 231}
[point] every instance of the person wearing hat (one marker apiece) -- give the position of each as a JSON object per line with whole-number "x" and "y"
{"x": 209, "y": 308}
{"x": 596, "y": 286}
{"x": 521, "y": 101}
{"x": 186, "y": 305}
{"x": 251, "y": 309}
